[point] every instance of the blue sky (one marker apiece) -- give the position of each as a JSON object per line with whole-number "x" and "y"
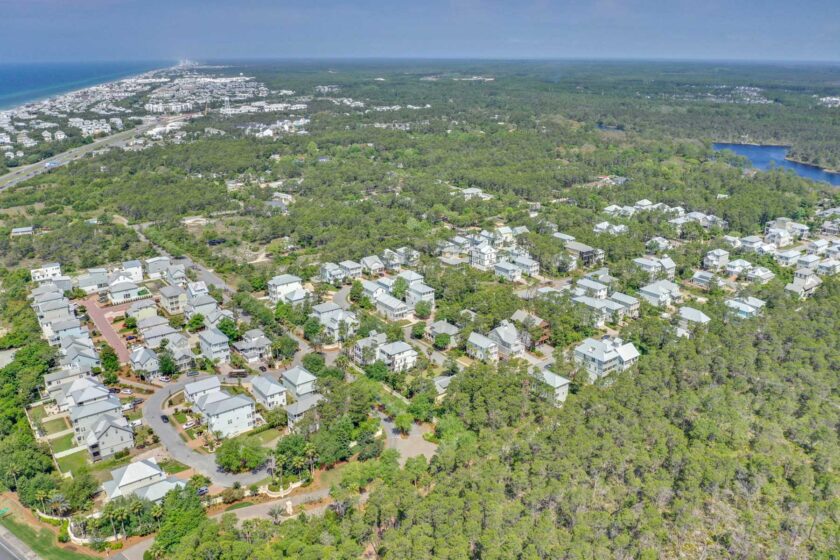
{"x": 89, "y": 30}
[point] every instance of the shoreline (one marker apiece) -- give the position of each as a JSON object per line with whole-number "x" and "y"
{"x": 109, "y": 79}
{"x": 787, "y": 148}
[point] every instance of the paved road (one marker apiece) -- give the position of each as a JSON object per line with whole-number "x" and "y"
{"x": 341, "y": 297}
{"x": 177, "y": 447}
{"x": 97, "y": 315}
{"x": 409, "y": 446}
{"x": 19, "y": 174}
{"x": 12, "y": 548}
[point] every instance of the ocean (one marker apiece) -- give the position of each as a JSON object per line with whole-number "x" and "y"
{"x": 23, "y": 83}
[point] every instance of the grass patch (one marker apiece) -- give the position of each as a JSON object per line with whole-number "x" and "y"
{"x": 55, "y": 426}
{"x": 267, "y": 436}
{"x": 37, "y": 413}
{"x": 73, "y": 462}
{"x": 180, "y": 417}
{"x": 42, "y": 542}
{"x": 63, "y": 443}
{"x": 110, "y": 464}
{"x": 240, "y": 505}
{"x": 171, "y": 466}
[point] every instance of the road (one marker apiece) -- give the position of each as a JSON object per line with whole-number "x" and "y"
{"x": 12, "y": 548}
{"x": 25, "y": 172}
{"x": 177, "y": 447}
{"x": 97, "y": 315}
{"x": 410, "y": 446}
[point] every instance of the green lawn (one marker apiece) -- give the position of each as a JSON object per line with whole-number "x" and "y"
{"x": 63, "y": 443}
{"x": 267, "y": 436}
{"x": 38, "y": 412}
{"x": 180, "y": 417}
{"x": 55, "y": 426}
{"x": 110, "y": 464}
{"x": 171, "y": 466}
{"x": 42, "y": 542}
{"x": 73, "y": 462}
{"x": 240, "y": 505}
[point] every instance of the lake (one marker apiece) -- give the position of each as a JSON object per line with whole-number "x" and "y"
{"x": 767, "y": 157}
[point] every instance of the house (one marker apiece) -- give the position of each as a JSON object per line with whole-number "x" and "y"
{"x": 78, "y": 352}
{"x": 508, "y": 271}
{"x": 778, "y": 237}
{"x": 794, "y": 229}
{"x": 281, "y": 286}
{"x": 123, "y": 292}
{"x": 408, "y": 256}
{"x": 176, "y": 275}
{"x": 829, "y": 267}
{"x": 398, "y": 356}
{"x": 331, "y": 273}
{"x": 21, "y": 231}
{"x": 351, "y": 269}
{"x": 268, "y": 392}
{"x": 703, "y": 280}
{"x": 391, "y": 308}
{"x": 144, "y": 359}
{"x": 527, "y": 265}
{"x": 503, "y": 235}
{"x": 732, "y": 241}
{"x": 482, "y": 348}
{"x": 338, "y": 324}
{"x": 156, "y": 267}
{"x": 787, "y": 258}
{"x": 658, "y": 244}
{"x": 142, "y": 478}
{"x": 142, "y": 309}
{"x": 173, "y": 299}
{"x": 202, "y": 304}
{"x": 442, "y": 328}
{"x": 193, "y": 391}
{"x": 629, "y": 304}
{"x": 214, "y": 345}
{"x": 818, "y": 247}
{"x": 558, "y": 385}
{"x": 808, "y": 261}
{"x": 254, "y": 346}
{"x": 410, "y": 277}
{"x": 760, "y": 275}
{"x": 154, "y": 336}
{"x": 506, "y": 337}
{"x": 418, "y": 292}
{"x": 738, "y": 267}
{"x": 46, "y": 272}
{"x": 372, "y": 290}
{"x": 296, "y": 411}
{"x": 584, "y": 253}
{"x": 197, "y": 289}
{"x": 84, "y": 417}
{"x": 391, "y": 260}
{"x": 602, "y": 357}
{"x": 298, "y": 381}
{"x": 745, "y": 307}
{"x": 716, "y": 259}
{"x": 661, "y": 293}
{"x": 93, "y": 281}
{"x": 805, "y": 283}
{"x": 689, "y": 319}
{"x": 54, "y": 310}
{"x": 655, "y": 266}
{"x": 108, "y": 436}
{"x": 133, "y": 270}
{"x": 483, "y": 257}
{"x": 224, "y": 414}
{"x": 592, "y": 288}
{"x": 751, "y": 243}
{"x": 365, "y": 350}
{"x": 55, "y": 331}
{"x": 373, "y": 265}
{"x": 533, "y": 330}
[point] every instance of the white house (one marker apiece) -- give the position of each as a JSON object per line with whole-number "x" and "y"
{"x": 298, "y": 381}
{"x": 592, "y": 288}
{"x": 805, "y": 283}
{"x": 661, "y": 293}
{"x": 351, "y": 269}
{"x": 508, "y": 271}
{"x": 133, "y": 270}
{"x": 196, "y": 389}
{"x": 507, "y": 339}
{"x": 745, "y": 307}
{"x": 338, "y": 324}
{"x": 214, "y": 345}
{"x": 173, "y": 299}
{"x": 398, "y": 356}
{"x": 281, "y": 286}
{"x": 602, "y": 357}
{"x": 527, "y": 265}
{"x": 144, "y": 359}
{"x": 558, "y": 385}
{"x": 689, "y": 319}
{"x": 483, "y": 257}
{"x": 716, "y": 259}
{"x": 254, "y": 346}
{"x": 225, "y": 414}
{"x": 142, "y": 478}
{"x": 300, "y": 408}
{"x": 156, "y": 267}
{"x": 418, "y": 292}
{"x": 391, "y": 308}
{"x": 108, "y": 436}
{"x": 268, "y": 392}
{"x": 46, "y": 272}
{"x": 123, "y": 292}
{"x": 373, "y": 265}
{"x": 482, "y": 348}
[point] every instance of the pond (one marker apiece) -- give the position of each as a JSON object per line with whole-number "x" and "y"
{"x": 767, "y": 157}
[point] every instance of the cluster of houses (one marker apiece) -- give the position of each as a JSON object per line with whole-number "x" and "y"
{"x": 496, "y": 251}
{"x": 382, "y": 293}
{"x": 397, "y": 356}
{"x": 593, "y": 291}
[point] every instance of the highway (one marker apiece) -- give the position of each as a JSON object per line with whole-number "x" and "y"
{"x": 22, "y": 173}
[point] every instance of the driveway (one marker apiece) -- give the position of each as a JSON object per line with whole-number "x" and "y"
{"x": 177, "y": 447}
{"x": 103, "y": 325}
{"x": 410, "y": 446}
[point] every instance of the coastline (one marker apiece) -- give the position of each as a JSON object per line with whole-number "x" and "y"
{"x": 73, "y": 87}
{"x": 787, "y": 157}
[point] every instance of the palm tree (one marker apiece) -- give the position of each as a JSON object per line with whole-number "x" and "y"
{"x": 299, "y": 463}
{"x": 310, "y": 452}
{"x": 275, "y": 513}
{"x": 58, "y": 503}
{"x": 280, "y": 461}
{"x": 41, "y": 496}
{"x": 157, "y": 513}
{"x": 14, "y": 470}
{"x": 111, "y": 515}
{"x": 121, "y": 515}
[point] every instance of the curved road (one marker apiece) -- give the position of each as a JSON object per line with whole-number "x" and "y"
{"x": 177, "y": 447}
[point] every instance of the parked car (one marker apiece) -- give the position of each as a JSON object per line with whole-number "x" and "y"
{"x": 202, "y": 491}
{"x": 192, "y": 373}
{"x": 114, "y": 390}
{"x": 137, "y": 401}
{"x": 263, "y": 368}
{"x": 189, "y": 424}
{"x": 163, "y": 379}
{"x": 164, "y": 418}
{"x": 131, "y": 337}
{"x": 125, "y": 391}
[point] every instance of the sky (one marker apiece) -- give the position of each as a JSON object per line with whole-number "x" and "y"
{"x": 99, "y": 30}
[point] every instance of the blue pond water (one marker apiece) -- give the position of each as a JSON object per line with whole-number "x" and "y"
{"x": 768, "y": 157}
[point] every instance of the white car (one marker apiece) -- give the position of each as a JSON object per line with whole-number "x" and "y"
{"x": 125, "y": 391}
{"x": 189, "y": 424}
{"x": 163, "y": 379}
